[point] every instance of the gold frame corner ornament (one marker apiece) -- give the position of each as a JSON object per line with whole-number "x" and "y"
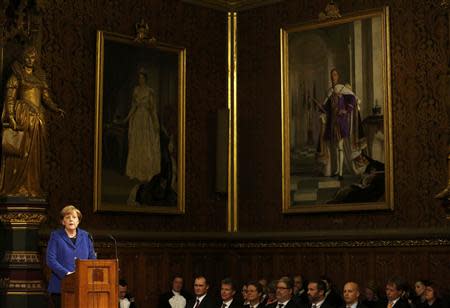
{"x": 388, "y": 203}
{"x": 143, "y": 33}
{"x": 331, "y": 11}
{"x": 145, "y": 42}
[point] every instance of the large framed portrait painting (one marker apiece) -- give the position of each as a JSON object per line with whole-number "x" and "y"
{"x": 140, "y": 126}
{"x": 336, "y": 114}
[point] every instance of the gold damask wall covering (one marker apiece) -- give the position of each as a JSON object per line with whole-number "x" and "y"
{"x": 419, "y": 50}
{"x": 68, "y": 53}
{"x": 419, "y": 40}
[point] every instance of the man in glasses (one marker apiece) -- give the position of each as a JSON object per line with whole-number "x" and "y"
{"x": 284, "y": 293}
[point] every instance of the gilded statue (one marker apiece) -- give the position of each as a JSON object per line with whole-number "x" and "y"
{"x": 24, "y": 138}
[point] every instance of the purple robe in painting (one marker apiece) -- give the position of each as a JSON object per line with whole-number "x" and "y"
{"x": 338, "y": 123}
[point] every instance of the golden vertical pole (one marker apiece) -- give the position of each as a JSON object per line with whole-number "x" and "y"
{"x": 232, "y": 209}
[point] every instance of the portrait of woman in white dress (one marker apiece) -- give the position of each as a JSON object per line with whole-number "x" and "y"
{"x": 140, "y": 124}
{"x": 144, "y": 154}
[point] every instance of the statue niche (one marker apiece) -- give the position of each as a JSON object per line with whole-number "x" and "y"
{"x": 24, "y": 137}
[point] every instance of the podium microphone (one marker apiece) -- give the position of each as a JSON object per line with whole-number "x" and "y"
{"x": 117, "y": 256}
{"x": 92, "y": 241}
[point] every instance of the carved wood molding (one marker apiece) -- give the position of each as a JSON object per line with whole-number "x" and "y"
{"x": 242, "y": 240}
{"x": 21, "y": 257}
{"x": 28, "y": 215}
{"x": 232, "y": 5}
{"x": 278, "y": 244}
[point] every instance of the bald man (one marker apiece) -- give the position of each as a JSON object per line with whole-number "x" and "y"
{"x": 351, "y": 296}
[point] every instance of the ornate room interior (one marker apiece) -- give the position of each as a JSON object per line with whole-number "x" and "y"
{"x": 232, "y": 221}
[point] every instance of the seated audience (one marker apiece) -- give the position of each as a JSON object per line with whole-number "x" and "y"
{"x": 288, "y": 293}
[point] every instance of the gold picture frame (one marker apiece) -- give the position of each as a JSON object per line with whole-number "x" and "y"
{"x": 336, "y": 114}
{"x": 139, "y": 161}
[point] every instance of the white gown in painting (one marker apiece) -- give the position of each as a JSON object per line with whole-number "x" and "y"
{"x": 144, "y": 154}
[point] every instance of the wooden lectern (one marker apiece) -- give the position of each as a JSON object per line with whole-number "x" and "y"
{"x": 94, "y": 284}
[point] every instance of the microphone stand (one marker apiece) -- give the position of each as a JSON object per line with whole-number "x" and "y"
{"x": 93, "y": 246}
{"x": 117, "y": 256}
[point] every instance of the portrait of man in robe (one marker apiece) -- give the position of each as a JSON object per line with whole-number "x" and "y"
{"x": 336, "y": 110}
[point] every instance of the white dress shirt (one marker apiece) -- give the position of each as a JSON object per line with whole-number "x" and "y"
{"x": 177, "y": 300}
{"x": 124, "y": 303}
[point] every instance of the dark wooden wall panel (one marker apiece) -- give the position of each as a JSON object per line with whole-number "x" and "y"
{"x": 385, "y": 265}
{"x": 149, "y": 267}
{"x": 358, "y": 267}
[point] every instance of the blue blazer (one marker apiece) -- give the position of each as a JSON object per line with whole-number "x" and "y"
{"x": 62, "y": 253}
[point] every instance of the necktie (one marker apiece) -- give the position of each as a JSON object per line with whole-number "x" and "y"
{"x": 314, "y": 306}
{"x": 197, "y": 303}
{"x": 280, "y": 305}
{"x": 390, "y": 305}
{"x": 224, "y": 305}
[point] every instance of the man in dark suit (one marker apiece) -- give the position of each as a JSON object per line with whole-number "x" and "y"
{"x": 300, "y": 293}
{"x": 227, "y": 293}
{"x": 351, "y": 296}
{"x": 332, "y": 298}
{"x": 202, "y": 298}
{"x": 176, "y": 294}
{"x": 316, "y": 294}
{"x": 284, "y": 293}
{"x": 394, "y": 290}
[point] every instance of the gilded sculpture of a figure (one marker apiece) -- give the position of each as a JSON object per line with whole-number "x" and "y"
{"x": 27, "y": 96}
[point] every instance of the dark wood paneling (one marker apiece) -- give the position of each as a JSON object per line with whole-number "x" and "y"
{"x": 148, "y": 269}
